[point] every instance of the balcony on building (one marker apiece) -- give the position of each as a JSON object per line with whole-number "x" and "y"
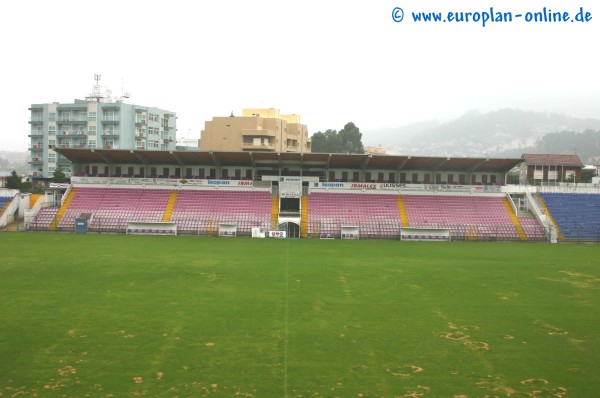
{"x": 37, "y": 161}
{"x": 36, "y": 133}
{"x": 110, "y": 133}
{"x": 111, "y": 119}
{"x": 258, "y": 133}
{"x": 36, "y": 120}
{"x": 292, "y": 146}
{"x": 77, "y": 105}
{"x": 258, "y": 145}
{"x": 36, "y": 148}
{"x": 72, "y": 134}
{"x": 111, "y": 105}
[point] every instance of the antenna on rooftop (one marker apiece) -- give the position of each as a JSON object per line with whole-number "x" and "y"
{"x": 96, "y": 94}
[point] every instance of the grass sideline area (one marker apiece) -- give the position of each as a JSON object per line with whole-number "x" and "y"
{"x": 116, "y": 315}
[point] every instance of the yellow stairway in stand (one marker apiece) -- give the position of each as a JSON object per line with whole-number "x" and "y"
{"x": 304, "y": 217}
{"x": 170, "y": 206}
{"x": 62, "y": 210}
{"x": 402, "y": 212}
{"x": 514, "y": 219}
{"x": 275, "y": 211}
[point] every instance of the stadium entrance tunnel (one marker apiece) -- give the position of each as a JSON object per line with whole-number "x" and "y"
{"x": 292, "y": 229}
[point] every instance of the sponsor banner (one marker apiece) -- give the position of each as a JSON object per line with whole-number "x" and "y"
{"x": 289, "y": 194}
{"x": 277, "y": 234}
{"x": 346, "y": 185}
{"x": 402, "y": 186}
{"x": 161, "y": 181}
{"x": 290, "y": 179}
{"x": 59, "y": 185}
{"x": 229, "y": 183}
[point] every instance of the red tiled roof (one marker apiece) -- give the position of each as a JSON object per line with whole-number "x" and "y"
{"x": 552, "y": 160}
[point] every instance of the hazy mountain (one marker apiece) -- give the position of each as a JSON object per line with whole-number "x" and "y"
{"x": 476, "y": 134}
{"x": 17, "y": 161}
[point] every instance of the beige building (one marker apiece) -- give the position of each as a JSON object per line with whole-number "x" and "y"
{"x": 264, "y": 130}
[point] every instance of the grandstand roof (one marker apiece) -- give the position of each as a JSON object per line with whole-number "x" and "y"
{"x": 327, "y": 160}
{"x": 535, "y": 159}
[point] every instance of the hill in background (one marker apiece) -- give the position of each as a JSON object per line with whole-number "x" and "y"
{"x": 505, "y": 132}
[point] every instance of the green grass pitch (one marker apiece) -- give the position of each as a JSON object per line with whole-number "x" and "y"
{"x": 119, "y": 316}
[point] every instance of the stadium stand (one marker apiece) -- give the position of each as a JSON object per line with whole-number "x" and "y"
{"x": 113, "y": 208}
{"x": 200, "y": 211}
{"x": 4, "y": 200}
{"x": 577, "y": 215}
{"x": 375, "y": 214}
{"x": 467, "y": 217}
{"x": 44, "y": 219}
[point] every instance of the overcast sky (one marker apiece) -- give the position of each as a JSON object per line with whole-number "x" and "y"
{"x": 329, "y": 61}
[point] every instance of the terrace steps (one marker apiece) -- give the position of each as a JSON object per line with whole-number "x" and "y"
{"x": 403, "y": 213}
{"x": 275, "y": 211}
{"x": 63, "y": 209}
{"x": 304, "y": 217}
{"x": 515, "y": 219}
{"x": 170, "y": 206}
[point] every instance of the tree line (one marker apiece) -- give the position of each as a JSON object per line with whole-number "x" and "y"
{"x": 347, "y": 140}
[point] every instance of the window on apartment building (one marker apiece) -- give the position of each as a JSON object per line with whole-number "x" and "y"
{"x": 51, "y": 130}
{"x": 91, "y": 116}
{"x": 51, "y": 115}
{"x": 51, "y": 143}
{"x": 92, "y": 144}
{"x": 51, "y": 158}
{"x": 91, "y": 130}
{"x": 51, "y": 169}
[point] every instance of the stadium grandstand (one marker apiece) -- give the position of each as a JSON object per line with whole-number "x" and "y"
{"x": 311, "y": 195}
